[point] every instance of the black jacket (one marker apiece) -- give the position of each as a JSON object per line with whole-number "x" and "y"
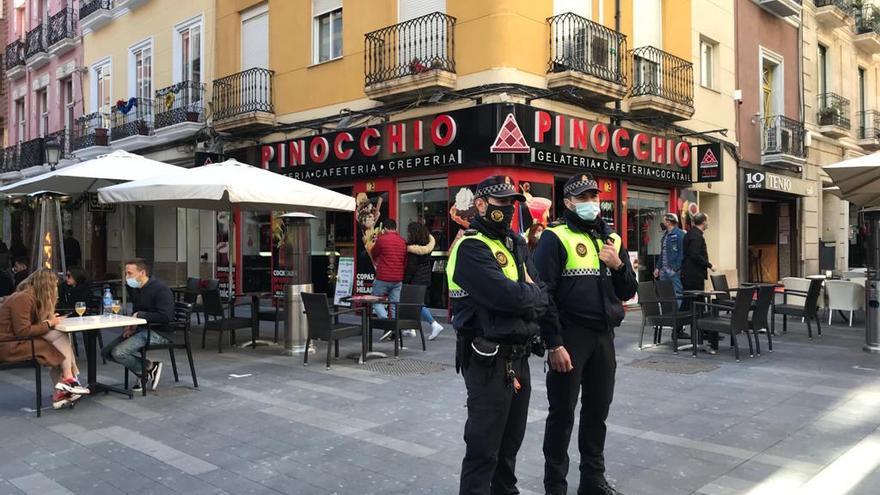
{"x": 153, "y": 302}
{"x": 695, "y": 266}
{"x": 72, "y": 295}
{"x": 496, "y": 307}
{"x": 592, "y": 302}
{"x": 418, "y": 264}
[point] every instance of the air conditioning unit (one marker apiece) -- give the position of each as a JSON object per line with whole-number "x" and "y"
{"x": 785, "y": 141}
{"x": 599, "y": 52}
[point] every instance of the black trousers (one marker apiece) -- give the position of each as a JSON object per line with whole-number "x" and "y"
{"x": 594, "y": 361}
{"x": 691, "y": 284}
{"x": 495, "y": 427}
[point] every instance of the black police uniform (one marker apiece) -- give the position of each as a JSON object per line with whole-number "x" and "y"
{"x": 585, "y": 307}
{"x": 493, "y": 312}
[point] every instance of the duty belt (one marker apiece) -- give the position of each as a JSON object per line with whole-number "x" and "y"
{"x": 513, "y": 351}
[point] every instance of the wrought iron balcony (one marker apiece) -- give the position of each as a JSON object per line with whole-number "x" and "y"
{"x": 14, "y": 54}
{"x": 782, "y": 140}
{"x": 834, "y": 115}
{"x": 10, "y": 159}
{"x": 418, "y": 46}
{"x": 867, "y": 19}
{"x": 586, "y": 55}
{"x": 31, "y": 153}
{"x": 663, "y": 84}
{"x": 89, "y": 7}
{"x": 138, "y": 121}
{"x": 869, "y": 129}
{"x": 182, "y": 102}
{"x": 245, "y": 97}
{"x": 62, "y": 26}
{"x": 35, "y": 43}
{"x": 833, "y": 13}
{"x": 62, "y": 136}
{"x": 90, "y": 130}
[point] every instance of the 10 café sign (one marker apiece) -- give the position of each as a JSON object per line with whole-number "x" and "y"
{"x": 781, "y": 183}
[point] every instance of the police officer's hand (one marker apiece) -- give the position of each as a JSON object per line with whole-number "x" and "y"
{"x": 609, "y": 256}
{"x": 560, "y": 361}
{"x": 528, "y": 277}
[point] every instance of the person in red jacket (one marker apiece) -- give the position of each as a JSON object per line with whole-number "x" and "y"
{"x": 389, "y": 259}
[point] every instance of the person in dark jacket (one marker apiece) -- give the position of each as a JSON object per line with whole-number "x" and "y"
{"x": 695, "y": 267}
{"x": 75, "y": 289}
{"x": 420, "y": 244}
{"x": 587, "y": 273}
{"x": 496, "y": 300}
{"x": 72, "y": 249}
{"x": 19, "y": 270}
{"x": 152, "y": 300}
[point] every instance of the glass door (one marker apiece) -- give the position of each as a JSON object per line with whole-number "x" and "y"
{"x": 427, "y": 202}
{"x": 644, "y": 227}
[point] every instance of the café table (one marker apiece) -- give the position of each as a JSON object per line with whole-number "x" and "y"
{"x": 364, "y": 304}
{"x": 90, "y": 325}
{"x": 706, "y": 297}
{"x": 255, "y": 297}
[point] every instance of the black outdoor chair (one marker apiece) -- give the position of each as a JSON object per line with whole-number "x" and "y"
{"x": 719, "y": 283}
{"x": 217, "y": 321}
{"x": 276, "y": 314}
{"x": 736, "y": 322}
{"x": 180, "y": 325}
{"x": 760, "y": 312}
{"x": 809, "y": 311}
{"x": 669, "y": 309}
{"x": 408, "y": 316}
{"x": 191, "y": 294}
{"x": 30, "y": 363}
{"x": 650, "y": 307}
{"x": 199, "y": 307}
{"x": 323, "y": 326}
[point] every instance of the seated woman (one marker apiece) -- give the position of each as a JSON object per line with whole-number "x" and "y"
{"x": 30, "y": 312}
{"x": 76, "y": 289}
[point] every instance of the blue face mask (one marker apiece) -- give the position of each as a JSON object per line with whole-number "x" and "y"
{"x": 587, "y": 211}
{"x": 133, "y": 283}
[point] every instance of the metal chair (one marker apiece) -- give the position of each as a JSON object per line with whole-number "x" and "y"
{"x": 180, "y": 324}
{"x": 669, "y": 308}
{"x": 322, "y": 325}
{"x": 276, "y": 314}
{"x": 219, "y": 322}
{"x": 809, "y": 310}
{"x": 407, "y": 317}
{"x": 719, "y": 283}
{"x": 737, "y": 322}
{"x": 199, "y": 308}
{"x": 191, "y": 294}
{"x": 30, "y": 363}
{"x": 760, "y": 312}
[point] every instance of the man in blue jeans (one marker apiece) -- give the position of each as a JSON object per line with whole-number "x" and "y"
{"x": 152, "y": 301}
{"x": 671, "y": 254}
{"x": 389, "y": 258}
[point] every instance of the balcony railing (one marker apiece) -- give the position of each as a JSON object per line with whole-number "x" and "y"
{"x": 10, "y": 159}
{"x": 242, "y": 93}
{"x": 182, "y": 102}
{"x": 62, "y": 26}
{"x": 137, "y": 122}
{"x": 782, "y": 136}
{"x": 869, "y": 124}
{"x": 867, "y": 20}
{"x": 90, "y": 130}
{"x": 35, "y": 42}
{"x": 89, "y": 7}
{"x": 14, "y": 54}
{"x": 410, "y": 48}
{"x": 579, "y": 44}
{"x": 31, "y": 153}
{"x": 845, "y": 5}
{"x": 62, "y": 136}
{"x": 834, "y": 110}
{"x": 662, "y": 74}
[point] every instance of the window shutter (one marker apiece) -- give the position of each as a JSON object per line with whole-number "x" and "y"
{"x": 323, "y": 6}
{"x": 410, "y": 9}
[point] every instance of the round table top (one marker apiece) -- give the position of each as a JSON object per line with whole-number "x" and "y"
{"x": 364, "y": 298}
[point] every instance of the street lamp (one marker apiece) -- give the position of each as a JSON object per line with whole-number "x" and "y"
{"x": 53, "y": 152}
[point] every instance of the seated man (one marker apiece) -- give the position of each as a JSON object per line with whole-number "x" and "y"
{"x": 152, "y": 301}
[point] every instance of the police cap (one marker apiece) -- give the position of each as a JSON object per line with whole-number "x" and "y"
{"x": 580, "y": 184}
{"x": 498, "y": 186}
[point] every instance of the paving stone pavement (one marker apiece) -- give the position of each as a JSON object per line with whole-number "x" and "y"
{"x": 804, "y": 419}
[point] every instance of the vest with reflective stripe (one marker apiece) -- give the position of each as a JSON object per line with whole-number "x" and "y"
{"x": 502, "y": 255}
{"x": 582, "y": 255}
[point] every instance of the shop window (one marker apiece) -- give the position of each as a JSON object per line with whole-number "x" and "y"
{"x": 425, "y": 202}
{"x": 644, "y": 227}
{"x": 256, "y": 251}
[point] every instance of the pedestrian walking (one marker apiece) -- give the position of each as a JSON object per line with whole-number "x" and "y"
{"x": 587, "y": 273}
{"x": 695, "y": 268}
{"x": 420, "y": 244}
{"x": 496, "y": 301}
{"x": 671, "y": 254}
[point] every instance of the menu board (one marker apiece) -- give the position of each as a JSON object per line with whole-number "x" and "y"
{"x": 344, "y": 280}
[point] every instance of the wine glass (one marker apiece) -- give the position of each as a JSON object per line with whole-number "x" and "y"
{"x": 80, "y": 309}
{"x": 115, "y": 307}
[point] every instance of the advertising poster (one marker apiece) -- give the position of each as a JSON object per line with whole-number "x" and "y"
{"x": 222, "y": 254}
{"x": 687, "y": 207}
{"x": 371, "y": 209}
{"x": 537, "y": 206}
{"x": 462, "y": 210}
{"x": 344, "y": 280}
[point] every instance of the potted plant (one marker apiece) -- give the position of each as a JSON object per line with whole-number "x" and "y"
{"x": 101, "y": 136}
{"x": 192, "y": 115}
{"x": 828, "y": 115}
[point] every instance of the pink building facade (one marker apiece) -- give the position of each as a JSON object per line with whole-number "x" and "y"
{"x": 44, "y": 75}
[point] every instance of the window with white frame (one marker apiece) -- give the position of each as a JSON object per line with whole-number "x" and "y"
{"x": 21, "y": 117}
{"x": 67, "y": 107}
{"x": 708, "y": 54}
{"x": 141, "y": 70}
{"x": 190, "y": 54}
{"x": 101, "y": 87}
{"x": 327, "y": 29}
{"x": 42, "y": 97}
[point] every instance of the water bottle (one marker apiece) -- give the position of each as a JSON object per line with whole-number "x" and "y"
{"x": 108, "y": 300}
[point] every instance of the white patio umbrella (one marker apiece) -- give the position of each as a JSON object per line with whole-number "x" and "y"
{"x": 858, "y": 179}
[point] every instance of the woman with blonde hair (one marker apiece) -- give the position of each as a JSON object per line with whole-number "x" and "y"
{"x": 30, "y": 312}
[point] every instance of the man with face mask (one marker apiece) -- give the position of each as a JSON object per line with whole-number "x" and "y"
{"x": 495, "y": 306}
{"x": 587, "y": 273}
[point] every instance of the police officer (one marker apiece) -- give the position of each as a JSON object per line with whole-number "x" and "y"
{"x": 587, "y": 274}
{"x": 495, "y": 307}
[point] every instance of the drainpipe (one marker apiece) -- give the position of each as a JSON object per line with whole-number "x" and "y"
{"x": 615, "y": 120}
{"x": 742, "y": 200}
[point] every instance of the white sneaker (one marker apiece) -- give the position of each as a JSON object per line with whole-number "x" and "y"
{"x": 436, "y": 328}
{"x": 386, "y": 336}
{"x": 707, "y": 348}
{"x": 155, "y": 375}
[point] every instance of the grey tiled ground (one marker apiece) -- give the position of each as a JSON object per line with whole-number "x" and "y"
{"x": 804, "y": 419}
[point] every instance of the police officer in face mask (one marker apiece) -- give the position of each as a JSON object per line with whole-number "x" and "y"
{"x": 587, "y": 274}
{"x": 495, "y": 306}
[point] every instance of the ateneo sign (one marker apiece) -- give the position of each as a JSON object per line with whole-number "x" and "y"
{"x": 485, "y": 135}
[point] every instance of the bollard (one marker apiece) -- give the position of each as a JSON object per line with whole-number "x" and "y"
{"x": 872, "y": 316}
{"x": 295, "y": 328}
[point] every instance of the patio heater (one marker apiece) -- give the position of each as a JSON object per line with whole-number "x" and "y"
{"x": 296, "y": 264}
{"x": 48, "y": 243}
{"x": 872, "y": 284}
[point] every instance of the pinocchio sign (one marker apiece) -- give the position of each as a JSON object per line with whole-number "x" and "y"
{"x": 485, "y": 135}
